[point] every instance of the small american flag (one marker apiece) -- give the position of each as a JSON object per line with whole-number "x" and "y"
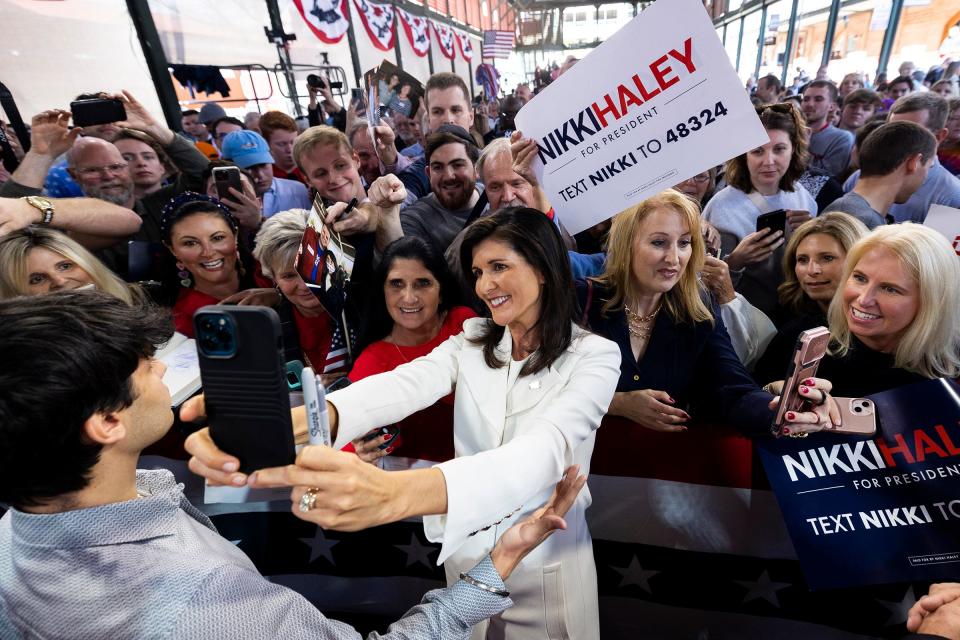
{"x": 497, "y": 44}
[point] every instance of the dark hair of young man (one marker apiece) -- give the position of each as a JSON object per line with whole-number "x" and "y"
{"x": 825, "y": 84}
{"x": 535, "y": 237}
{"x": 863, "y": 96}
{"x": 66, "y": 356}
{"x": 189, "y": 112}
{"x": 441, "y": 138}
{"x": 902, "y": 80}
{"x": 444, "y": 80}
{"x": 871, "y": 125}
{"x": 936, "y": 106}
{"x": 227, "y": 119}
{"x": 772, "y": 82}
{"x": 891, "y": 145}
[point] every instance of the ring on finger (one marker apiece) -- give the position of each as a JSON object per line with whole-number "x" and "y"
{"x": 799, "y": 434}
{"x": 309, "y": 499}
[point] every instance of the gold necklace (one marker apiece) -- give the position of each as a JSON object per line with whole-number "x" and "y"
{"x": 640, "y": 326}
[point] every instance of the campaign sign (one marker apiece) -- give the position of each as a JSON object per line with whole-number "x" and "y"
{"x": 878, "y": 509}
{"x": 655, "y": 104}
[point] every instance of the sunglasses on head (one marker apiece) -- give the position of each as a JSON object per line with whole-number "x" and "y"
{"x": 779, "y": 107}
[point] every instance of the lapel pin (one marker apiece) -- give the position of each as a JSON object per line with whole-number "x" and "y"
{"x": 535, "y": 384}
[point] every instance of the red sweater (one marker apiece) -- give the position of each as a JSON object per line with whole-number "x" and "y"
{"x": 427, "y": 434}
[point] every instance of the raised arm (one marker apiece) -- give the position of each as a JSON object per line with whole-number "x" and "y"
{"x": 92, "y": 222}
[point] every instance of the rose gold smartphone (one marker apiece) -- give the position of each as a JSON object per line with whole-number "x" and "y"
{"x": 810, "y": 349}
{"x": 858, "y": 416}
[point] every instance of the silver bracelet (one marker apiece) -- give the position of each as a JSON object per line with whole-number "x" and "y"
{"x": 482, "y": 585}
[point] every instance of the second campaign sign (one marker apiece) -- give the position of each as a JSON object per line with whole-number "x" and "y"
{"x": 654, "y": 105}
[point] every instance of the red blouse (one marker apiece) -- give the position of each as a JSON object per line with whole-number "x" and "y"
{"x": 188, "y": 301}
{"x": 427, "y": 434}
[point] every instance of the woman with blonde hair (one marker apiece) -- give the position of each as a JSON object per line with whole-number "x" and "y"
{"x": 676, "y": 354}
{"x": 38, "y": 260}
{"x": 813, "y": 271}
{"x": 896, "y": 318}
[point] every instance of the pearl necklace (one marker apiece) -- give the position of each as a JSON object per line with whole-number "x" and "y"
{"x": 638, "y": 325}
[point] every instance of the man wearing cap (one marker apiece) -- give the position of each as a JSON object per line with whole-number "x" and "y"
{"x": 249, "y": 151}
{"x": 209, "y": 114}
{"x": 440, "y": 215}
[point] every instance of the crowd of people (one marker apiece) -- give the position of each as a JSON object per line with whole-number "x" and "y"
{"x": 475, "y": 322}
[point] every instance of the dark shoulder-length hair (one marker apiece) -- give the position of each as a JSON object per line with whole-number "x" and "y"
{"x": 786, "y": 117}
{"x": 377, "y": 322}
{"x": 534, "y": 236}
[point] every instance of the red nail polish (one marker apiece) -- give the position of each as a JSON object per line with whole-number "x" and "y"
{"x": 389, "y": 450}
{"x": 804, "y": 390}
{"x": 786, "y": 432}
{"x": 671, "y": 399}
{"x": 809, "y": 381}
{"x": 791, "y": 416}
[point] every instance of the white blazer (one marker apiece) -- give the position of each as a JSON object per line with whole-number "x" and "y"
{"x": 512, "y": 446}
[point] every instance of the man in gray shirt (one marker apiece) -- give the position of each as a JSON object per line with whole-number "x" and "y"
{"x": 829, "y": 146}
{"x": 894, "y": 161}
{"x": 439, "y": 216}
{"x": 929, "y": 110}
{"x": 93, "y": 548}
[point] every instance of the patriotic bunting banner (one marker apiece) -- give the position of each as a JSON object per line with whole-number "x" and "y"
{"x": 328, "y": 19}
{"x": 466, "y": 46}
{"x": 445, "y": 38}
{"x": 417, "y": 30}
{"x": 378, "y": 20}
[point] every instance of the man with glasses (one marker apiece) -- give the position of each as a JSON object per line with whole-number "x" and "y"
{"x": 224, "y": 127}
{"x": 100, "y": 170}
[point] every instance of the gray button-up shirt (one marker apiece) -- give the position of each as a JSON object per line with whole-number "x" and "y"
{"x": 156, "y": 567}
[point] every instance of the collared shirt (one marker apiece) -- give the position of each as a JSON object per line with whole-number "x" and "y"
{"x": 939, "y": 188}
{"x": 285, "y": 194}
{"x": 156, "y": 567}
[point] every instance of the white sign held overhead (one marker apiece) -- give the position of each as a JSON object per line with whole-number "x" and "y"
{"x": 655, "y": 104}
{"x": 946, "y": 220}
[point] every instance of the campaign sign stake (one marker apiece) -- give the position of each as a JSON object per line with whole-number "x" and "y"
{"x": 655, "y": 104}
{"x": 877, "y": 510}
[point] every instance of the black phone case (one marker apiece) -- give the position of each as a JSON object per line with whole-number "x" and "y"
{"x": 87, "y": 113}
{"x": 223, "y": 186}
{"x": 775, "y": 220}
{"x": 246, "y": 395}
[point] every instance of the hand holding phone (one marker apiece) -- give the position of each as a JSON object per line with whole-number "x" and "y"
{"x": 810, "y": 348}
{"x": 224, "y": 178}
{"x": 775, "y": 221}
{"x": 245, "y": 384}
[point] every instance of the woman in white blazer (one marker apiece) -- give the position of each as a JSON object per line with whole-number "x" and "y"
{"x": 531, "y": 388}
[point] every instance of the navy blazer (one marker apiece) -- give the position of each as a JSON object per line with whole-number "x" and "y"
{"x": 694, "y": 363}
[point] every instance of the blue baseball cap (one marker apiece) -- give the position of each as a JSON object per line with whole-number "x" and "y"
{"x": 245, "y": 149}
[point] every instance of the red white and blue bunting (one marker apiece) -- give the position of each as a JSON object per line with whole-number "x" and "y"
{"x": 378, "y": 20}
{"x": 328, "y": 19}
{"x": 466, "y": 46}
{"x": 445, "y": 38}
{"x": 417, "y": 29}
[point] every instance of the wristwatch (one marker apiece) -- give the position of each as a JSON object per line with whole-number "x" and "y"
{"x": 44, "y": 206}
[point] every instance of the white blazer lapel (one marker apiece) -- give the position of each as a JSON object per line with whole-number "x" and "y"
{"x": 489, "y": 386}
{"x": 530, "y": 390}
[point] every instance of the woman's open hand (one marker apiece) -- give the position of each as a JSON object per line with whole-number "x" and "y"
{"x": 650, "y": 408}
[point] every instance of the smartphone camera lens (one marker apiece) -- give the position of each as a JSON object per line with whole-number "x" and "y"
{"x": 857, "y": 408}
{"x": 216, "y": 336}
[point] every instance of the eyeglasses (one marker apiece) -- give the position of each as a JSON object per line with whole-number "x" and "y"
{"x": 110, "y": 169}
{"x": 699, "y": 179}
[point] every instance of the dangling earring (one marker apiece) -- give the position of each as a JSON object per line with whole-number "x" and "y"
{"x": 185, "y": 280}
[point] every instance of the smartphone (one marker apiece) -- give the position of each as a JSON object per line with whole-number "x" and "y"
{"x": 339, "y": 383}
{"x": 223, "y": 179}
{"x": 775, "y": 220}
{"x": 97, "y": 111}
{"x": 858, "y": 416}
{"x": 245, "y": 384}
{"x": 393, "y": 431}
{"x": 810, "y": 349}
